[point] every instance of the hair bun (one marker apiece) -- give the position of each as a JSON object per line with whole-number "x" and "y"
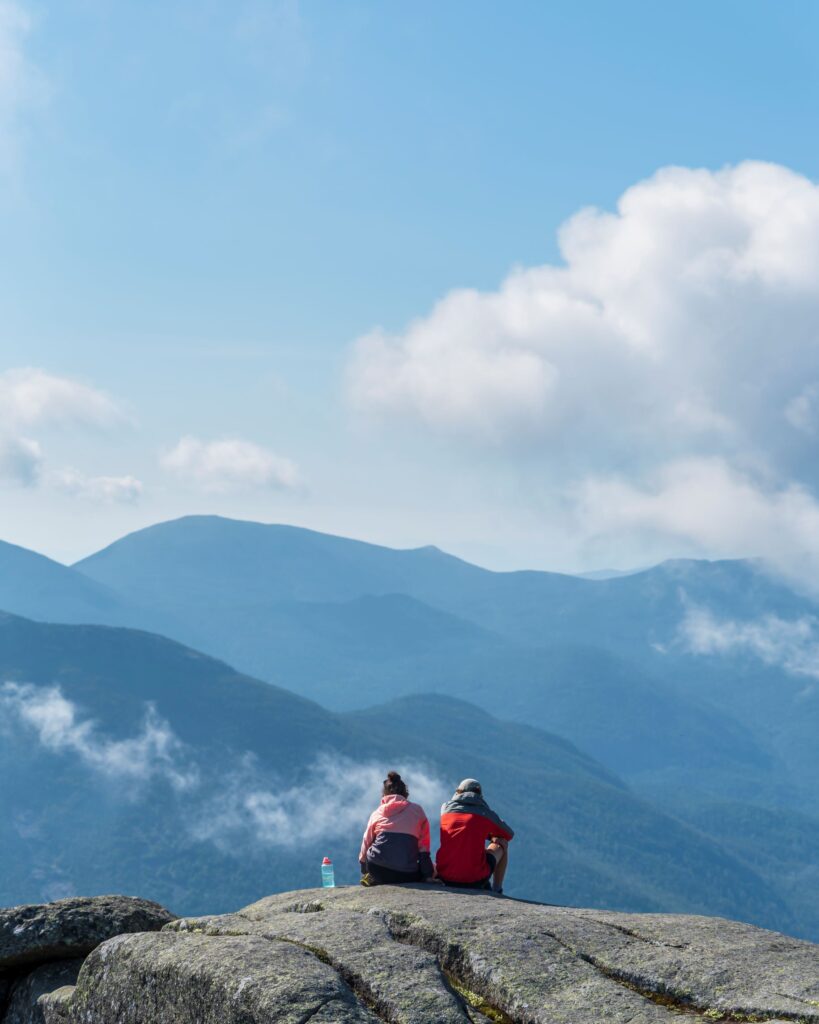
{"x": 394, "y": 785}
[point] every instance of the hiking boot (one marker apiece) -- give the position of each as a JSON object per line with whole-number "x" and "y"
{"x": 367, "y": 880}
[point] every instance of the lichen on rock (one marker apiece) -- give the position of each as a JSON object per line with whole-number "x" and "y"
{"x": 42, "y": 947}
{"x": 418, "y": 954}
{"x": 39, "y": 932}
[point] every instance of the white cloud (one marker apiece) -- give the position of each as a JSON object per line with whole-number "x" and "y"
{"x": 691, "y": 314}
{"x": 790, "y": 644}
{"x": 220, "y": 466}
{"x": 678, "y": 342}
{"x": 341, "y": 794}
{"x": 30, "y": 397}
{"x": 709, "y": 503}
{"x": 155, "y": 752}
{"x": 105, "y": 489}
{"x": 242, "y": 806}
{"x": 20, "y": 460}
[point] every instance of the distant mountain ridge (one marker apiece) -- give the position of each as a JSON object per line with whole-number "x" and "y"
{"x": 583, "y": 837}
{"x": 310, "y": 611}
{"x": 603, "y": 663}
{"x": 350, "y": 623}
{"x": 31, "y": 584}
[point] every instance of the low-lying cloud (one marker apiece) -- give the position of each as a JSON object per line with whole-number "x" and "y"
{"x": 229, "y": 464}
{"x": 335, "y": 799}
{"x": 789, "y": 644}
{"x": 709, "y": 502}
{"x": 154, "y": 753}
{"x": 240, "y": 801}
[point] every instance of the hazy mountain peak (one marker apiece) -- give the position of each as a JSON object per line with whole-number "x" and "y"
{"x": 36, "y": 586}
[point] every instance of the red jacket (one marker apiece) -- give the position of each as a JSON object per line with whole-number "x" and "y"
{"x": 467, "y": 821}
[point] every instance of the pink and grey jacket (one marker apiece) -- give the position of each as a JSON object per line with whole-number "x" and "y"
{"x": 397, "y": 837}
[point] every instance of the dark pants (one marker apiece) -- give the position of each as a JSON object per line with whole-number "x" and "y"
{"x": 386, "y": 876}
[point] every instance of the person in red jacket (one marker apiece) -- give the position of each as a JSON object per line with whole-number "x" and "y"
{"x": 474, "y": 841}
{"x": 395, "y": 847}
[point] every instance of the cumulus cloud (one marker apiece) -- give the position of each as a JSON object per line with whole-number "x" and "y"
{"x": 692, "y": 312}
{"x": 231, "y": 464}
{"x": 681, "y": 330}
{"x": 107, "y": 490}
{"x": 155, "y": 752}
{"x": 30, "y": 397}
{"x": 790, "y": 644}
{"x": 341, "y": 793}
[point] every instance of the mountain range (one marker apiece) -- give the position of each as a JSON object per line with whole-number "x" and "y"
{"x": 601, "y": 662}
{"x": 132, "y": 762}
{"x": 702, "y": 733}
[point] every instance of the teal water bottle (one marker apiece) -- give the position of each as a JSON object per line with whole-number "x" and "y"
{"x": 328, "y": 878}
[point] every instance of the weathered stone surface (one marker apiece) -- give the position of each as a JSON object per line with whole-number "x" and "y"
{"x": 554, "y": 964}
{"x": 36, "y": 933}
{"x": 174, "y": 978}
{"x": 23, "y": 1006}
{"x": 54, "y": 1005}
{"x": 401, "y": 982}
{"x": 411, "y": 955}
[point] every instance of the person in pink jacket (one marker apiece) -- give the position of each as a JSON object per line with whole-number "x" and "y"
{"x": 395, "y": 847}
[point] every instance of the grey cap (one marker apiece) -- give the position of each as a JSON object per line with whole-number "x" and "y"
{"x": 469, "y": 786}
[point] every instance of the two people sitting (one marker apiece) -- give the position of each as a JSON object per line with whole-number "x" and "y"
{"x": 473, "y": 853}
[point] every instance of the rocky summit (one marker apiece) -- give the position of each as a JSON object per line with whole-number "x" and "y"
{"x": 43, "y": 946}
{"x": 411, "y": 955}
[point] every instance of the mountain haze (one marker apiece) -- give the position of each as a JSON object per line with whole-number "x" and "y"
{"x": 31, "y": 584}
{"x": 604, "y": 663}
{"x": 599, "y": 661}
{"x": 79, "y": 818}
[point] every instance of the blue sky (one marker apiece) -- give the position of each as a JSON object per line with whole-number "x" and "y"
{"x": 206, "y": 206}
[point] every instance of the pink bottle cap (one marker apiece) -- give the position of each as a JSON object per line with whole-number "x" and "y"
{"x": 326, "y": 861}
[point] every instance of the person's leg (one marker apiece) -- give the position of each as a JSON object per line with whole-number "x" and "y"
{"x": 499, "y": 848}
{"x": 380, "y": 875}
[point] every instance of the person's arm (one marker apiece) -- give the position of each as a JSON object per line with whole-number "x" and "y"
{"x": 367, "y": 841}
{"x": 503, "y": 830}
{"x": 498, "y": 827}
{"x": 424, "y": 859}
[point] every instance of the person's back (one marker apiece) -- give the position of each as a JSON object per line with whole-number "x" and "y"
{"x": 467, "y": 822}
{"x": 395, "y": 847}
